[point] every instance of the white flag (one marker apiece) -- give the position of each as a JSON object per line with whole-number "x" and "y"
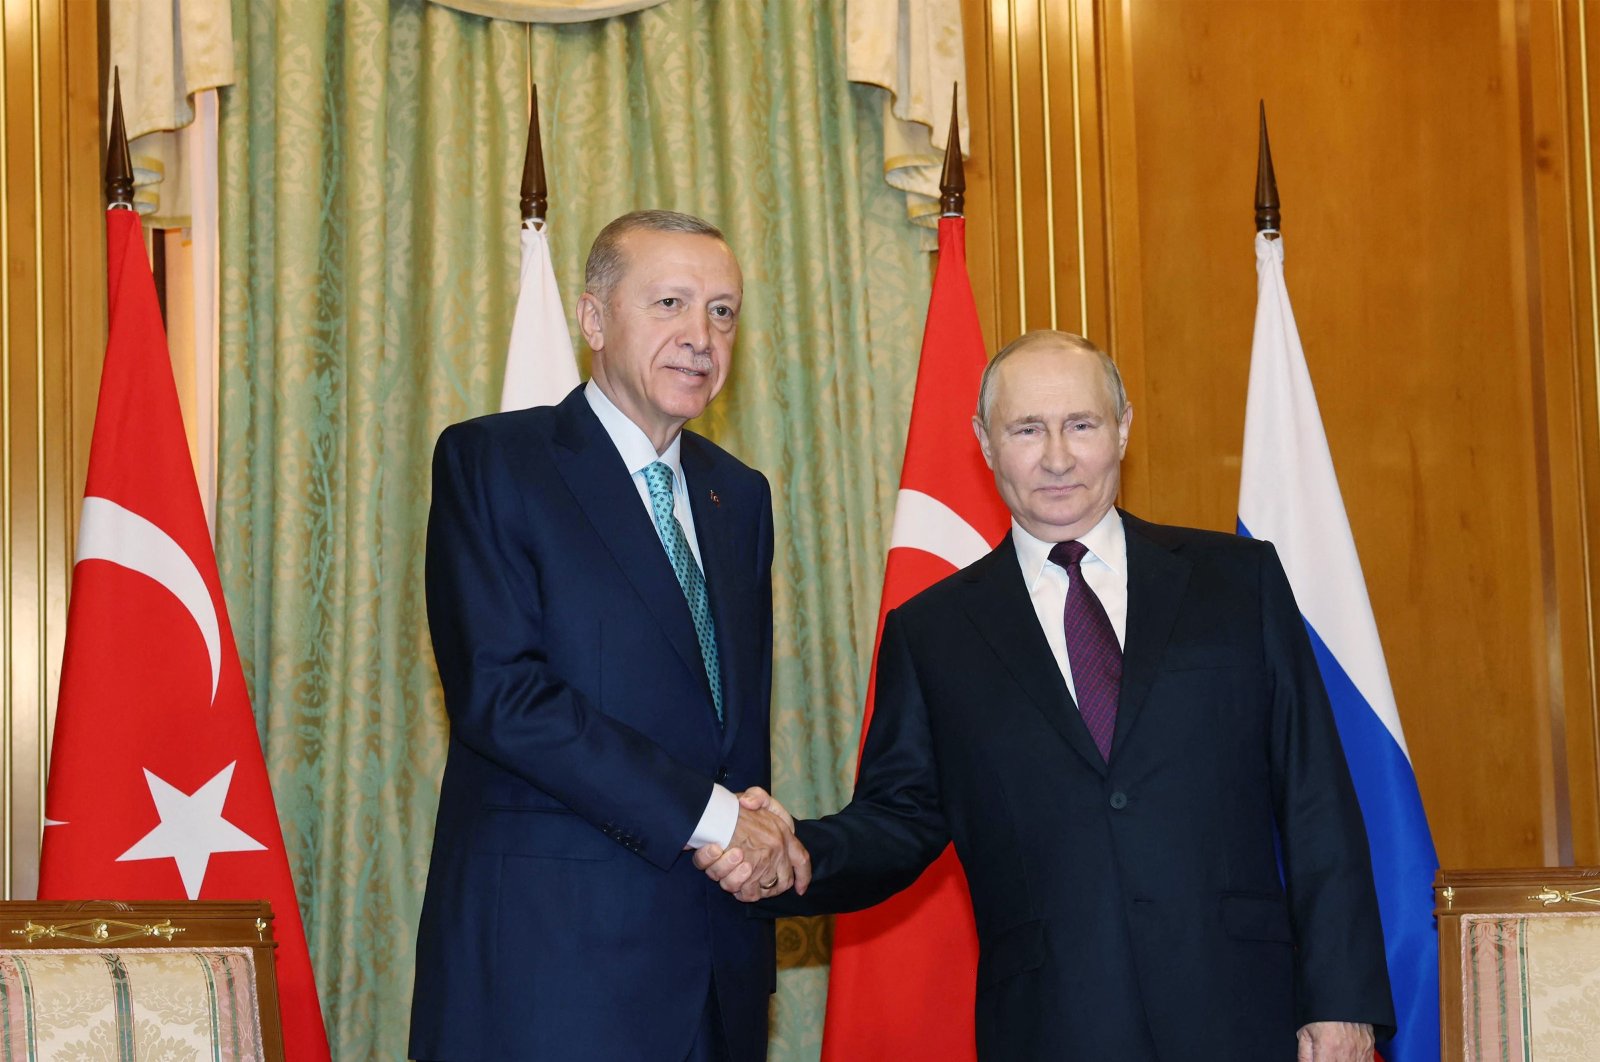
{"x": 540, "y": 367}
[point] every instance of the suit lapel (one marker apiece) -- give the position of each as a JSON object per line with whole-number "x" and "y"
{"x": 598, "y": 479}
{"x": 1157, "y": 578}
{"x": 1000, "y": 608}
{"x": 728, "y": 606}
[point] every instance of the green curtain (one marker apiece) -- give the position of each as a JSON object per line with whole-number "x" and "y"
{"x": 371, "y": 155}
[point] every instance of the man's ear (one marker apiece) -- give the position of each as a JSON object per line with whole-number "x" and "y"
{"x": 983, "y": 440}
{"x": 1122, "y": 431}
{"x": 591, "y": 321}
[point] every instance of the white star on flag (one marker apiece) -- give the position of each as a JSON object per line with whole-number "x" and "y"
{"x": 192, "y": 829}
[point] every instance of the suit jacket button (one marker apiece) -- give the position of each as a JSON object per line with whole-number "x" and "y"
{"x": 722, "y": 776}
{"x": 1119, "y": 800}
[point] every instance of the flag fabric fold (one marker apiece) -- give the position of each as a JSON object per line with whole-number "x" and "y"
{"x": 540, "y": 366}
{"x": 903, "y": 978}
{"x": 1289, "y": 495}
{"x": 158, "y": 788}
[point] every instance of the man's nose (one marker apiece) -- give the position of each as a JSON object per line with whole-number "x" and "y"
{"x": 1058, "y": 455}
{"x": 696, "y": 333}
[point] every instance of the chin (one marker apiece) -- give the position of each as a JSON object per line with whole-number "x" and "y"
{"x": 683, "y": 408}
{"x": 1061, "y": 528}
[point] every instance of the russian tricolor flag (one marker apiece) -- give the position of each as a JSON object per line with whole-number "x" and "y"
{"x": 1288, "y": 494}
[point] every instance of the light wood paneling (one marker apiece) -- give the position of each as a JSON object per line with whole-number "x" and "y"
{"x": 52, "y": 332}
{"x": 1035, "y": 174}
{"x": 1435, "y": 162}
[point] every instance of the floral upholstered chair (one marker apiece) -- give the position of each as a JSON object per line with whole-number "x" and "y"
{"x": 163, "y": 980}
{"x": 1519, "y": 964}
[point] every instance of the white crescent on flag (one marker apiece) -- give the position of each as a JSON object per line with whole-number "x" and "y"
{"x": 109, "y": 532}
{"x": 923, "y": 522}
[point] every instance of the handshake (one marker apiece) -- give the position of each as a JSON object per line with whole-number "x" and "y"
{"x": 764, "y": 858}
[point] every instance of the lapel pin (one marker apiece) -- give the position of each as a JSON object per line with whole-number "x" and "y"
{"x": 714, "y": 499}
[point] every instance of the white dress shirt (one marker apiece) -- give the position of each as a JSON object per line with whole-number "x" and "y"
{"x": 1104, "y": 568}
{"x": 717, "y": 822}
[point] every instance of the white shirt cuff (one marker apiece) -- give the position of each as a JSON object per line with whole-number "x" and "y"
{"x": 718, "y": 821}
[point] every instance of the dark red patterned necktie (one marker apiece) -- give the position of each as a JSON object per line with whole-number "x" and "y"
{"x": 1092, "y": 649}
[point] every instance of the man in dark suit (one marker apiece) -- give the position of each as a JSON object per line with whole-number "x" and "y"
{"x": 599, "y": 596}
{"x": 1122, "y": 728}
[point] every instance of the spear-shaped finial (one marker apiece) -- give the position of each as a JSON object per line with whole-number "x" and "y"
{"x": 535, "y": 195}
{"x": 953, "y": 181}
{"x": 1267, "y": 213}
{"x": 119, "y": 164}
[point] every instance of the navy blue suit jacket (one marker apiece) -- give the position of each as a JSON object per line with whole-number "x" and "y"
{"x": 1133, "y": 910}
{"x": 562, "y": 918}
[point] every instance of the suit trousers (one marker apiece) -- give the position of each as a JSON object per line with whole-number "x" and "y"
{"x": 711, "y": 1043}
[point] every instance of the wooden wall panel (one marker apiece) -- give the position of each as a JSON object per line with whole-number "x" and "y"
{"x": 1561, "y": 63}
{"x": 52, "y": 333}
{"x": 1035, "y": 244}
{"x": 1435, "y": 162}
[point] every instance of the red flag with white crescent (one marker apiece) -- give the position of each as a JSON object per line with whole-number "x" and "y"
{"x": 158, "y": 788}
{"x": 904, "y": 973}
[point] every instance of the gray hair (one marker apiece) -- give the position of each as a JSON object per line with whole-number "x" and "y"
{"x": 606, "y": 259}
{"x": 1050, "y": 337}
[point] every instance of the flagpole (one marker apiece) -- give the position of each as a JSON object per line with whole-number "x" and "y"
{"x": 535, "y": 193}
{"x": 953, "y": 179}
{"x": 1268, "y": 214}
{"x": 119, "y": 162}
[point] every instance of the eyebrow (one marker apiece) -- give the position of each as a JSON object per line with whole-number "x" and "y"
{"x": 666, "y": 287}
{"x": 1040, "y": 418}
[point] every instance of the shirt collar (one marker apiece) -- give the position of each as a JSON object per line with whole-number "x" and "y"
{"x": 1106, "y": 542}
{"x": 629, "y": 439}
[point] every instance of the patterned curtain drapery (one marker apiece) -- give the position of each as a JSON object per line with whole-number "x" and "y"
{"x": 371, "y": 159}
{"x": 913, "y": 49}
{"x": 549, "y": 10}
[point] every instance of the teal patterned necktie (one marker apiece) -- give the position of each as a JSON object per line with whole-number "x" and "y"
{"x": 658, "y": 477}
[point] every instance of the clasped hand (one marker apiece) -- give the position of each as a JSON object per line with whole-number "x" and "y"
{"x": 764, "y": 858}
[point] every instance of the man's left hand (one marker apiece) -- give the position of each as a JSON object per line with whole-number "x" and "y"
{"x": 1335, "y": 1041}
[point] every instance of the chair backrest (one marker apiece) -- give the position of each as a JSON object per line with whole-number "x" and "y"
{"x": 1519, "y": 963}
{"x": 152, "y": 979}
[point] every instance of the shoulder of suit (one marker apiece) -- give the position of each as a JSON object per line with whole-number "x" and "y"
{"x": 934, "y": 599}
{"x": 516, "y": 427}
{"x": 723, "y": 464}
{"x": 1190, "y": 540}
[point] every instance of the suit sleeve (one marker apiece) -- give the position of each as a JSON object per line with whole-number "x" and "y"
{"x": 893, "y": 826}
{"x": 487, "y": 623}
{"x": 1340, "y": 969}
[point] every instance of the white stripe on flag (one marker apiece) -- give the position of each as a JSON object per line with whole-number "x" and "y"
{"x": 540, "y": 367}
{"x": 1289, "y": 495}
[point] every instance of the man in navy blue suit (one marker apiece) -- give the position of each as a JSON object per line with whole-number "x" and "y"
{"x": 600, "y": 602}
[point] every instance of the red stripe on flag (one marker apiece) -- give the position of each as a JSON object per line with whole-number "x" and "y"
{"x": 158, "y": 789}
{"x": 903, "y": 977}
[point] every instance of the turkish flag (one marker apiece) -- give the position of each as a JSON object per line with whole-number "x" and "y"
{"x": 904, "y": 973}
{"x": 157, "y": 788}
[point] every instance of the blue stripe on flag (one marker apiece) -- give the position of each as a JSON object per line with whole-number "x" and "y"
{"x": 1403, "y": 860}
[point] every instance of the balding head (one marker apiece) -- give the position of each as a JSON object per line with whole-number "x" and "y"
{"x": 1044, "y": 338}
